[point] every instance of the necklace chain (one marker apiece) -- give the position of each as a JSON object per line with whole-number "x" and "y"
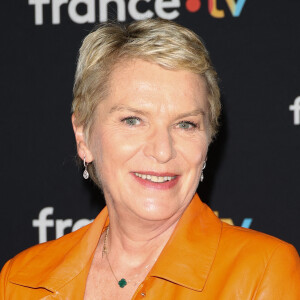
{"x": 123, "y": 282}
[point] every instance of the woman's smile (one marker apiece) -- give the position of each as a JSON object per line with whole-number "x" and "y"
{"x": 161, "y": 181}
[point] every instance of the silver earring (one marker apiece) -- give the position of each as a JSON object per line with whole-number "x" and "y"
{"x": 202, "y": 176}
{"x": 85, "y": 174}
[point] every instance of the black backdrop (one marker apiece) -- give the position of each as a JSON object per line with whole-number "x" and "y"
{"x": 252, "y": 175}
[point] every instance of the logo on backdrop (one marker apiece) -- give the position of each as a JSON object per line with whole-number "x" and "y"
{"x": 296, "y": 109}
{"x": 246, "y": 222}
{"x": 45, "y": 221}
{"x": 165, "y": 9}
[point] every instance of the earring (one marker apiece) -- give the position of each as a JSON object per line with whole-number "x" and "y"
{"x": 85, "y": 174}
{"x": 202, "y": 176}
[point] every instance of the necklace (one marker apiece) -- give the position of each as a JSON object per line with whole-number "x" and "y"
{"x": 122, "y": 282}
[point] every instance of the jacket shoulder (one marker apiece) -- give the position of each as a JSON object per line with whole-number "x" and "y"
{"x": 249, "y": 235}
{"x": 254, "y": 242}
{"x": 55, "y": 247}
{"x": 275, "y": 263}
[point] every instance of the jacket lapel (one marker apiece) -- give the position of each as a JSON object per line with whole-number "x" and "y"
{"x": 189, "y": 254}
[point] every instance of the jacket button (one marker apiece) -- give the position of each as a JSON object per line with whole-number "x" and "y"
{"x": 143, "y": 294}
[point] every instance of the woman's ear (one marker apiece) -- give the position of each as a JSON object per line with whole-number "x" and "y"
{"x": 82, "y": 148}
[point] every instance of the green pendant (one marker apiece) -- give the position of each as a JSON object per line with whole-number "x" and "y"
{"x": 122, "y": 282}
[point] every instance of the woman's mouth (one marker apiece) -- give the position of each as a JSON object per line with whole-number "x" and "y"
{"x": 156, "y": 180}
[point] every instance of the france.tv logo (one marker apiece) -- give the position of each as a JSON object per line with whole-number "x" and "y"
{"x": 93, "y": 11}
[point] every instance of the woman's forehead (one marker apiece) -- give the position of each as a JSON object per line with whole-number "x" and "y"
{"x": 141, "y": 85}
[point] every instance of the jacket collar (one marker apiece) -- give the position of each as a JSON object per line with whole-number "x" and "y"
{"x": 186, "y": 259}
{"x": 189, "y": 254}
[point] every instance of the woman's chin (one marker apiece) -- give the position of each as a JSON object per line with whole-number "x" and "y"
{"x": 156, "y": 212}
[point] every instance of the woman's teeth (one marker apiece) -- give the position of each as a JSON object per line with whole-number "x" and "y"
{"x": 155, "y": 178}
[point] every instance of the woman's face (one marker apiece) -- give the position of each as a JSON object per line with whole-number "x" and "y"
{"x": 149, "y": 139}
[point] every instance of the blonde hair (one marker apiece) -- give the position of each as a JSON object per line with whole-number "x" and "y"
{"x": 166, "y": 43}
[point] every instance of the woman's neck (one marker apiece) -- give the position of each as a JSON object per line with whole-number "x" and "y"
{"x": 135, "y": 242}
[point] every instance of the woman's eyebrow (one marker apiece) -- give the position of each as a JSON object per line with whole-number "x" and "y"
{"x": 123, "y": 107}
{"x": 195, "y": 112}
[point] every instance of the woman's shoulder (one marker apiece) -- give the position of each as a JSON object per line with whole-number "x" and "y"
{"x": 270, "y": 262}
{"x": 51, "y": 249}
{"x": 254, "y": 242}
{"x": 247, "y": 236}
{"x": 42, "y": 267}
{"x": 232, "y": 231}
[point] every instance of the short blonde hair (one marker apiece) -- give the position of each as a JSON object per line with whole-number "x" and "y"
{"x": 166, "y": 43}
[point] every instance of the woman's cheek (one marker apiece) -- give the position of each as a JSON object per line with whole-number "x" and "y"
{"x": 195, "y": 149}
{"x": 118, "y": 147}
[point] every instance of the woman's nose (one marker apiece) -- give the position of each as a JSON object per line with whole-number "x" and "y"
{"x": 160, "y": 145}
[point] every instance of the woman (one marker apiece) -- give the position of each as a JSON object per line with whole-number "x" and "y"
{"x": 146, "y": 107}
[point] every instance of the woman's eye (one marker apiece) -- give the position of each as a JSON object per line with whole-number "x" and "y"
{"x": 132, "y": 121}
{"x": 186, "y": 125}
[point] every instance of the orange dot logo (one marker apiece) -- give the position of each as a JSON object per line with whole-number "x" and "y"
{"x": 193, "y": 5}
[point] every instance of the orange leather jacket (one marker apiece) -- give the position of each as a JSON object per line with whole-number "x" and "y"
{"x": 204, "y": 259}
